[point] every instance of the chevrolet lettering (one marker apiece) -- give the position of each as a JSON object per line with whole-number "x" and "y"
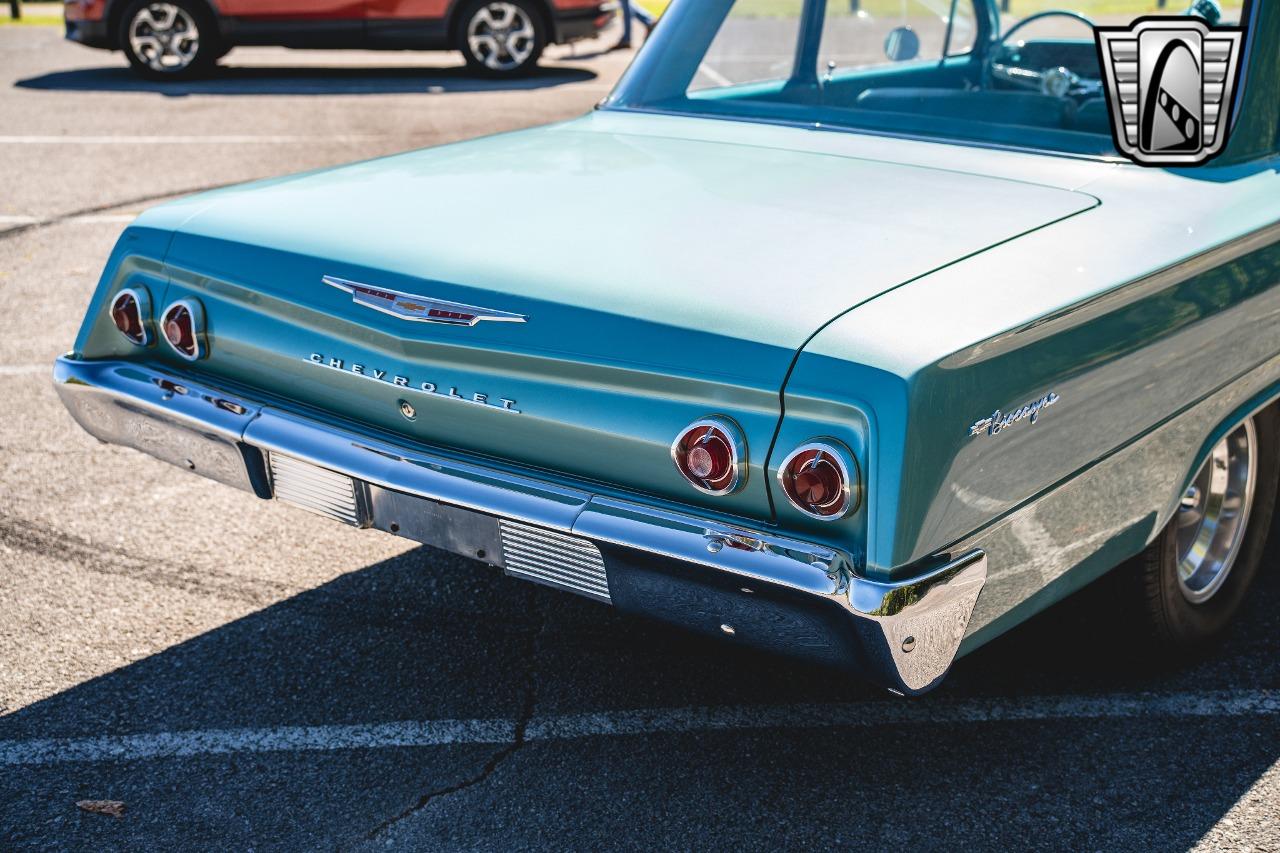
{"x": 447, "y": 391}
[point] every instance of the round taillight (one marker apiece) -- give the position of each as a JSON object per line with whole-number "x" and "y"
{"x": 710, "y": 454}
{"x": 183, "y": 328}
{"x": 130, "y": 311}
{"x": 821, "y": 480}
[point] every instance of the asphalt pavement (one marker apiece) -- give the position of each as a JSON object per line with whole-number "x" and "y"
{"x": 242, "y": 675}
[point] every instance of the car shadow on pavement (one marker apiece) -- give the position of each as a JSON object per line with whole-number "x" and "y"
{"x": 427, "y": 636}
{"x": 242, "y": 80}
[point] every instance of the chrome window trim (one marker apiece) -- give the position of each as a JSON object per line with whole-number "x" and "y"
{"x": 860, "y": 131}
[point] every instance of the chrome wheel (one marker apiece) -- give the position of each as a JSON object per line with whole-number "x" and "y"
{"x": 164, "y": 37}
{"x": 1213, "y": 514}
{"x": 501, "y": 36}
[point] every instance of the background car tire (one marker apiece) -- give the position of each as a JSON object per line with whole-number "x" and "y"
{"x": 169, "y": 39}
{"x": 1151, "y": 583}
{"x": 501, "y": 38}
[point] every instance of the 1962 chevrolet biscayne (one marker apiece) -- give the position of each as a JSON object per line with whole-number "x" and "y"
{"x": 864, "y": 361}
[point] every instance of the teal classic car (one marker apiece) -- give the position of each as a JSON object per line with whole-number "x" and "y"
{"x": 879, "y": 347}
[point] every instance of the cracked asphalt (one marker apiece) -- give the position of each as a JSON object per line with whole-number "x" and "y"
{"x": 242, "y": 675}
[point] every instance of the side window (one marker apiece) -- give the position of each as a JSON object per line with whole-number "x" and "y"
{"x": 867, "y": 33}
{"x": 756, "y": 42}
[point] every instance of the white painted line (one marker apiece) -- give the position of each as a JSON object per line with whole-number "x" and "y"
{"x": 185, "y": 140}
{"x": 1251, "y": 703}
{"x": 87, "y": 219}
{"x": 284, "y": 739}
{"x": 714, "y": 76}
{"x": 102, "y": 219}
{"x": 897, "y": 712}
{"x": 25, "y": 369}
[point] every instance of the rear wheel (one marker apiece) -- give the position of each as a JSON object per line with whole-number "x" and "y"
{"x": 1192, "y": 579}
{"x": 169, "y": 39}
{"x": 501, "y": 38}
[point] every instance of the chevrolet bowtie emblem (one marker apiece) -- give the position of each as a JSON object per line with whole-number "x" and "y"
{"x": 419, "y": 309}
{"x": 1170, "y": 82}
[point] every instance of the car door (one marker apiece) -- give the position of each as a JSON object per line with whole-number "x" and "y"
{"x": 300, "y": 23}
{"x": 407, "y": 23}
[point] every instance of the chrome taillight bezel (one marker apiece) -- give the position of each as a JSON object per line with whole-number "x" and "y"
{"x": 734, "y": 440}
{"x": 142, "y": 300}
{"x": 196, "y": 311}
{"x": 850, "y": 475}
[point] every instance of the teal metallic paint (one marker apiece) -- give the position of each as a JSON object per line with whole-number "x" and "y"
{"x": 1125, "y": 337}
{"x": 1068, "y": 537}
{"x": 622, "y": 348}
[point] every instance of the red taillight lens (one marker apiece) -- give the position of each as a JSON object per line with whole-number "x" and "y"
{"x": 710, "y": 454}
{"x": 821, "y": 479}
{"x": 183, "y": 328}
{"x": 129, "y": 311}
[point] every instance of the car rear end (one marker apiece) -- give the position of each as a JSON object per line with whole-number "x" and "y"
{"x": 86, "y": 22}
{"x": 555, "y": 466}
{"x": 576, "y": 20}
{"x": 332, "y": 341}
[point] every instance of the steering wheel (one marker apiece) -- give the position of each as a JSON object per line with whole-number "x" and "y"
{"x": 1061, "y": 82}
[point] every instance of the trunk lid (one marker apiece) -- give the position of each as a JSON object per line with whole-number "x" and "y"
{"x": 663, "y": 279}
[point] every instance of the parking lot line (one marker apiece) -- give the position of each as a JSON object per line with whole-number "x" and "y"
{"x": 233, "y": 139}
{"x": 90, "y": 219}
{"x": 179, "y": 744}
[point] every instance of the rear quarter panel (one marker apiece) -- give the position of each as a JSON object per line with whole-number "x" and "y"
{"x": 1131, "y": 313}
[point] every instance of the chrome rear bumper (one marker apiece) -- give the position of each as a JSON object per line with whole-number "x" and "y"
{"x": 757, "y": 587}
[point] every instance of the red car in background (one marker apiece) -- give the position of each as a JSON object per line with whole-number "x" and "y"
{"x": 167, "y": 39}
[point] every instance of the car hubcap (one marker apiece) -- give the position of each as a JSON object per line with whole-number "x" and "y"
{"x": 164, "y": 37}
{"x": 1213, "y": 514}
{"x": 501, "y": 36}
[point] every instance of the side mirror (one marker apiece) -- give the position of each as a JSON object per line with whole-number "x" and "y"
{"x": 902, "y": 44}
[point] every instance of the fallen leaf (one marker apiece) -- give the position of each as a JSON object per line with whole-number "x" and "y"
{"x": 112, "y": 808}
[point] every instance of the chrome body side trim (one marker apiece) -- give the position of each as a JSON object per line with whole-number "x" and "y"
{"x": 905, "y": 635}
{"x": 1067, "y": 537}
